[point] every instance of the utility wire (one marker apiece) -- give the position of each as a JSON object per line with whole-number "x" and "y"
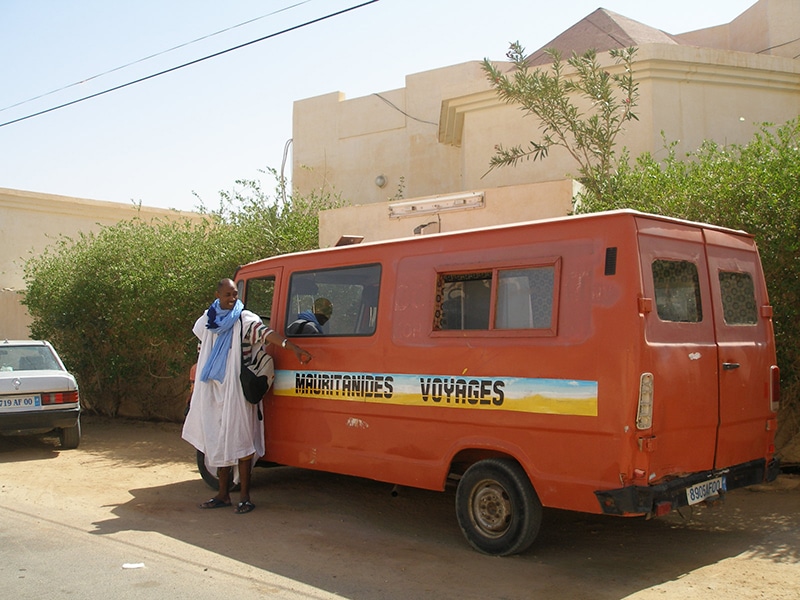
{"x": 141, "y": 60}
{"x": 190, "y": 63}
{"x": 400, "y": 110}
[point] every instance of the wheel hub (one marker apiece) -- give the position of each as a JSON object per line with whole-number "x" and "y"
{"x": 491, "y": 509}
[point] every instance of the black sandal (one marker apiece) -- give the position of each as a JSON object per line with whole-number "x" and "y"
{"x": 244, "y": 507}
{"x": 215, "y": 503}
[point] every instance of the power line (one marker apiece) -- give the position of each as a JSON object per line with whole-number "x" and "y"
{"x": 400, "y": 110}
{"x": 146, "y": 58}
{"x": 188, "y": 64}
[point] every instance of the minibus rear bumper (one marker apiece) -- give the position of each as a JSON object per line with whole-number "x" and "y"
{"x": 661, "y": 498}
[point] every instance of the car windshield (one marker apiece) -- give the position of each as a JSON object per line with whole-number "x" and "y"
{"x": 27, "y": 358}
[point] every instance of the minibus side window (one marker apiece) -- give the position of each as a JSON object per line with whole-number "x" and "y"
{"x": 523, "y": 299}
{"x": 677, "y": 290}
{"x": 258, "y": 297}
{"x": 351, "y": 291}
{"x": 738, "y": 298}
{"x": 463, "y": 300}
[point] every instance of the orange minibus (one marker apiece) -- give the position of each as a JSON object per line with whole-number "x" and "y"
{"x": 618, "y": 363}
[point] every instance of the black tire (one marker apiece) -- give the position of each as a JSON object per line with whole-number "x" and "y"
{"x": 70, "y": 437}
{"x": 210, "y": 478}
{"x": 497, "y": 507}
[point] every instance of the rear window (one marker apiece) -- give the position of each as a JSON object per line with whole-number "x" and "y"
{"x": 27, "y": 358}
{"x": 677, "y": 289}
{"x": 738, "y": 298}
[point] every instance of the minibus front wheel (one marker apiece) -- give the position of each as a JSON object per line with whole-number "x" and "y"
{"x": 210, "y": 478}
{"x": 497, "y": 508}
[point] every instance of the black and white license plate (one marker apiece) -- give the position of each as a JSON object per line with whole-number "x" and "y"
{"x": 705, "y": 490}
{"x": 14, "y": 403}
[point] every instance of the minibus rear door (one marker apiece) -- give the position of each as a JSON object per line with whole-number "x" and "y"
{"x": 746, "y": 348}
{"x": 679, "y": 351}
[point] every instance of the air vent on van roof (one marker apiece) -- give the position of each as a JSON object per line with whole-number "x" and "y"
{"x": 347, "y": 240}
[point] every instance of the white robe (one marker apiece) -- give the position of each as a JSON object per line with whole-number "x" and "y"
{"x": 221, "y": 423}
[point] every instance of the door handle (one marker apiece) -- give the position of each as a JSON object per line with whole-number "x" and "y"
{"x": 730, "y": 366}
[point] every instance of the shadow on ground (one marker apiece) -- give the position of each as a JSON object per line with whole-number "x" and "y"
{"x": 355, "y": 538}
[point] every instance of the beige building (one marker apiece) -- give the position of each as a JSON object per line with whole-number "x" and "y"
{"x": 29, "y": 222}
{"x": 434, "y": 137}
{"x": 415, "y": 160}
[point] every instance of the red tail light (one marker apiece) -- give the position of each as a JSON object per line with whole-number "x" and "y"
{"x": 774, "y": 388}
{"x": 663, "y": 508}
{"x": 60, "y": 398}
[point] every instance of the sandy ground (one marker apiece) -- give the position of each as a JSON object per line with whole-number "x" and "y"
{"x": 338, "y": 537}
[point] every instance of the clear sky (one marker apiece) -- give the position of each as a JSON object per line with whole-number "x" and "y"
{"x": 198, "y": 129}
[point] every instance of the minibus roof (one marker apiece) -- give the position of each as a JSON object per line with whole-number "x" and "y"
{"x": 506, "y": 226}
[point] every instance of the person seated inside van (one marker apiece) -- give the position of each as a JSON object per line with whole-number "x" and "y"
{"x": 311, "y": 322}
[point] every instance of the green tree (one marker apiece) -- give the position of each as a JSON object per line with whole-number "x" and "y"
{"x": 119, "y": 304}
{"x": 583, "y": 111}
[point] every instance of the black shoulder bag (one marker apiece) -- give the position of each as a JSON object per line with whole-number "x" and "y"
{"x": 253, "y": 386}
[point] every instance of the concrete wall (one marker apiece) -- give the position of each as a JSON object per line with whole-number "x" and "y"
{"x": 527, "y": 202}
{"x": 691, "y": 94}
{"x": 30, "y": 222}
{"x": 768, "y": 27}
{"x": 346, "y": 144}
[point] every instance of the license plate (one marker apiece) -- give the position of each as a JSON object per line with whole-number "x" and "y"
{"x": 705, "y": 490}
{"x": 20, "y": 403}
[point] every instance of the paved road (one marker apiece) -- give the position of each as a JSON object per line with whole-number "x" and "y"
{"x": 117, "y": 518}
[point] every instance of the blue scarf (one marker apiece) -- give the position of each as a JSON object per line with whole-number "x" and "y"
{"x": 220, "y": 322}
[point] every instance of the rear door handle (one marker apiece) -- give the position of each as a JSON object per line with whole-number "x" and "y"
{"x": 730, "y": 366}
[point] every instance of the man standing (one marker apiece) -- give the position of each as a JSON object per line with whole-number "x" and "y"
{"x": 220, "y": 422}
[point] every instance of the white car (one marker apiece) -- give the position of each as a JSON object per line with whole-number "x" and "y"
{"x": 37, "y": 394}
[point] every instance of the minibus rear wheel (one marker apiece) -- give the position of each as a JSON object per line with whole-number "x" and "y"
{"x": 497, "y": 508}
{"x": 210, "y": 478}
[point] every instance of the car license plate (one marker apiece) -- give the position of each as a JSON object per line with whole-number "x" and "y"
{"x": 20, "y": 403}
{"x": 705, "y": 490}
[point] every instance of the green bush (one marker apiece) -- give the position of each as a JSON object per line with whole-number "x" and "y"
{"x": 119, "y": 304}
